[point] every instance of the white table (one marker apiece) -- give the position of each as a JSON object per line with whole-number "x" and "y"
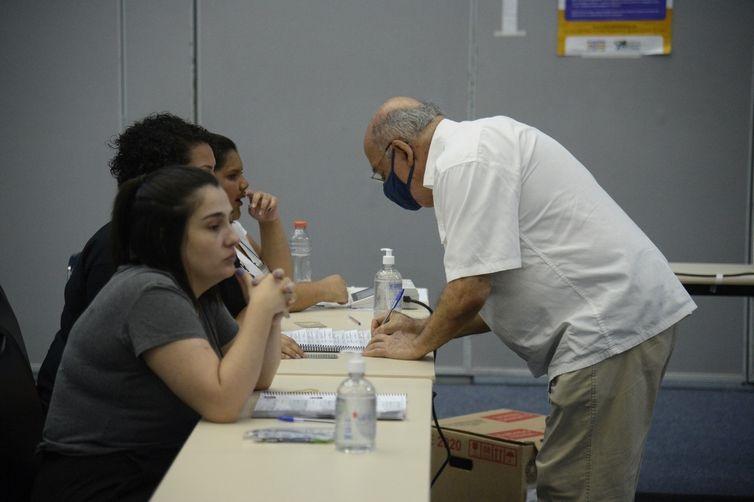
{"x": 216, "y": 463}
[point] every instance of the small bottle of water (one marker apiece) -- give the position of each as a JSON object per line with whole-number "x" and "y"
{"x": 387, "y": 284}
{"x": 301, "y": 250}
{"x": 355, "y": 411}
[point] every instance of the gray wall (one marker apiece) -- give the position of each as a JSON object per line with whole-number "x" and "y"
{"x": 294, "y": 82}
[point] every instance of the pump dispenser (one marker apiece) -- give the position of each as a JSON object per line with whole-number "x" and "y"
{"x": 387, "y": 284}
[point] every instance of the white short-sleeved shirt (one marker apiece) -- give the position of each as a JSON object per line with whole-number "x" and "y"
{"x": 574, "y": 280}
{"x": 249, "y": 259}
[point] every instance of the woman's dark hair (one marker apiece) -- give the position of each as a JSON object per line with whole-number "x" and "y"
{"x": 159, "y": 140}
{"x": 150, "y": 215}
{"x": 221, "y": 146}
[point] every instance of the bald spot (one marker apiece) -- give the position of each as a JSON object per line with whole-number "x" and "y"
{"x": 388, "y": 106}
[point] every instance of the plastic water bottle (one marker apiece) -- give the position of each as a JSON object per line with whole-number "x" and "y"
{"x": 301, "y": 250}
{"x": 387, "y": 284}
{"x": 355, "y": 411}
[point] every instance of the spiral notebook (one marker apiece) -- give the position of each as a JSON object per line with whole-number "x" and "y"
{"x": 330, "y": 340}
{"x": 272, "y": 404}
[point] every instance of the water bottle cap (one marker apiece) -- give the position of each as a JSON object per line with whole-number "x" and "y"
{"x": 388, "y": 259}
{"x": 356, "y": 364}
{"x": 300, "y": 224}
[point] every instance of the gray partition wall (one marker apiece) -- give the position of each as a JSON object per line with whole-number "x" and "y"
{"x": 295, "y": 82}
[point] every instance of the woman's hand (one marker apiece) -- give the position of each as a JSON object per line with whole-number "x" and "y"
{"x": 262, "y": 206}
{"x": 272, "y": 292}
{"x": 290, "y": 349}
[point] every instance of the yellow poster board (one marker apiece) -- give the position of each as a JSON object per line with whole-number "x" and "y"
{"x": 614, "y": 28}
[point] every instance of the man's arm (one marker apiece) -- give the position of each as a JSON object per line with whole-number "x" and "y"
{"x": 456, "y": 315}
{"x": 474, "y": 327}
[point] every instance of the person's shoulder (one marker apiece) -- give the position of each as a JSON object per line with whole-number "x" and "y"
{"x": 454, "y": 144}
{"x": 98, "y": 244}
{"x": 500, "y": 126}
{"x": 502, "y": 138}
{"x": 142, "y": 278}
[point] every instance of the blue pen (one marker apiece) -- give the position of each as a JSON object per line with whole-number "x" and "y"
{"x": 288, "y": 418}
{"x": 395, "y": 304}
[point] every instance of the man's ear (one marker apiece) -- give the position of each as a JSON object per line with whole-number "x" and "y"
{"x": 406, "y": 149}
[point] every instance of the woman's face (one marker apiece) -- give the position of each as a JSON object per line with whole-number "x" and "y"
{"x": 208, "y": 251}
{"x": 230, "y": 176}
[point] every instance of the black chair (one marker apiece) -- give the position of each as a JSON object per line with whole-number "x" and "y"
{"x": 20, "y": 410}
{"x": 73, "y": 261}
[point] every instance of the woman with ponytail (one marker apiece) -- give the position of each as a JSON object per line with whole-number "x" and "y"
{"x": 158, "y": 140}
{"x": 156, "y": 350}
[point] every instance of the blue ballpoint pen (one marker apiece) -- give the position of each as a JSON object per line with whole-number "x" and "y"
{"x": 288, "y": 418}
{"x": 395, "y": 304}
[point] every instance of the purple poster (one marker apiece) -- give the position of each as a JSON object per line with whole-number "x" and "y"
{"x": 614, "y": 10}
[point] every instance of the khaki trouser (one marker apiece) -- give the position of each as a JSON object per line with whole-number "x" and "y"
{"x": 598, "y": 424}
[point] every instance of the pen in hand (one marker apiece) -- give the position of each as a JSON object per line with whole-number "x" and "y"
{"x": 395, "y": 304}
{"x": 288, "y": 418}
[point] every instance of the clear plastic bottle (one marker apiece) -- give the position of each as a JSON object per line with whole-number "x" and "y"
{"x": 355, "y": 411}
{"x": 387, "y": 284}
{"x": 301, "y": 250}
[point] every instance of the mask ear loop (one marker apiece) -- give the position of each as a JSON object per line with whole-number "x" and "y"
{"x": 410, "y": 170}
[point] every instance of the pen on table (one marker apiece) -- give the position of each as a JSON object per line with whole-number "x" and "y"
{"x": 395, "y": 304}
{"x": 288, "y": 418}
{"x": 354, "y": 320}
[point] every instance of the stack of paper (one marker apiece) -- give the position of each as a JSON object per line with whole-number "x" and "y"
{"x": 330, "y": 340}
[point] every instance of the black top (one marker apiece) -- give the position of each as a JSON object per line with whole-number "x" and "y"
{"x": 231, "y": 294}
{"x": 94, "y": 268}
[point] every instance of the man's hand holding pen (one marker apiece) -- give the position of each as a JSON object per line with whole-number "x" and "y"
{"x": 395, "y": 337}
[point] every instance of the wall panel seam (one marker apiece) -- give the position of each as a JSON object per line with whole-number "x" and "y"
{"x": 472, "y": 68}
{"x": 122, "y": 56}
{"x": 195, "y": 60}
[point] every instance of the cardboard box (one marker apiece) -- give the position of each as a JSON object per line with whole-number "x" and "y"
{"x": 492, "y": 456}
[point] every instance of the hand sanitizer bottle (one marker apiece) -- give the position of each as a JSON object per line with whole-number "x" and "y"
{"x": 387, "y": 284}
{"x": 355, "y": 411}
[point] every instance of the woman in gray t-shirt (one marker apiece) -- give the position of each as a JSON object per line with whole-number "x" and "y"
{"x": 156, "y": 349}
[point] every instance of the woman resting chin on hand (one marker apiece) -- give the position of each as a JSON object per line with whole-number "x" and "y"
{"x": 272, "y": 251}
{"x": 156, "y": 349}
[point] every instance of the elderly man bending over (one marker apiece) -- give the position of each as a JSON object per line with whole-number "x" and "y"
{"x": 538, "y": 253}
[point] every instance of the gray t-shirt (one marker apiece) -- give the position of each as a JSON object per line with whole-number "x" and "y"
{"x": 106, "y": 398}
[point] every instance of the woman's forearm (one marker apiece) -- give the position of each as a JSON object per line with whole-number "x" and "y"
{"x": 272, "y": 354}
{"x": 241, "y": 368}
{"x": 274, "y": 249}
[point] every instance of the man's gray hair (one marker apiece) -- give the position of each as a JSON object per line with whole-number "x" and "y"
{"x": 404, "y": 123}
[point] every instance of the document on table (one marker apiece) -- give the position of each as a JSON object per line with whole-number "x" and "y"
{"x": 330, "y": 340}
{"x": 273, "y": 404}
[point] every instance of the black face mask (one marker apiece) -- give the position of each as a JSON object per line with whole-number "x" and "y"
{"x": 398, "y": 191}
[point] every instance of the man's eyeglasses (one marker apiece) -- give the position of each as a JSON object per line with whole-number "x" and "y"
{"x": 378, "y": 176}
